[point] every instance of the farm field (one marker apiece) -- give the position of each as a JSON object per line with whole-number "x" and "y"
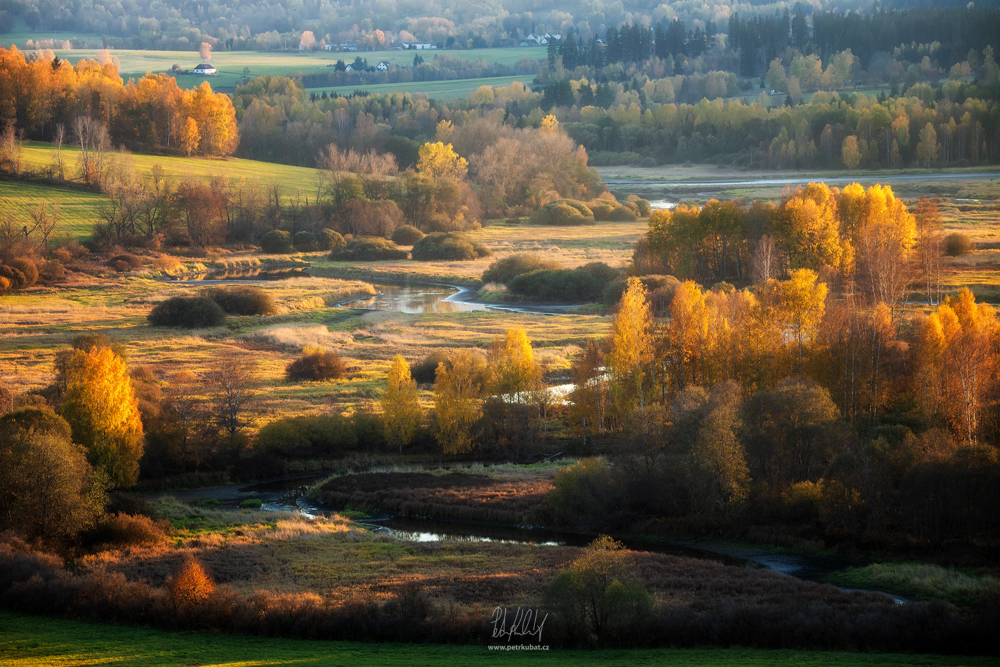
{"x": 30, "y": 641}
{"x": 78, "y": 208}
{"x": 444, "y": 90}
{"x": 231, "y": 64}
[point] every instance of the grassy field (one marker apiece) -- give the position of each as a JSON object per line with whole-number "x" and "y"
{"x": 39, "y": 156}
{"x": 923, "y": 581}
{"x": 77, "y": 208}
{"x": 135, "y": 63}
{"x": 33, "y": 641}
{"x": 441, "y": 90}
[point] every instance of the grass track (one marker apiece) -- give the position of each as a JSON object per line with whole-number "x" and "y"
{"x": 30, "y": 641}
{"x": 442, "y": 90}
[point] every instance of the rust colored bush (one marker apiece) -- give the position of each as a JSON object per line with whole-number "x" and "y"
{"x": 125, "y": 262}
{"x": 191, "y": 587}
{"x": 122, "y": 530}
{"x": 316, "y": 365}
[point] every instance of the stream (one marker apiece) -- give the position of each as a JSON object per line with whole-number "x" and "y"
{"x": 288, "y": 494}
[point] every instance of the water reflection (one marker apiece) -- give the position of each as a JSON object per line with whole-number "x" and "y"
{"x": 241, "y": 275}
{"x": 414, "y": 298}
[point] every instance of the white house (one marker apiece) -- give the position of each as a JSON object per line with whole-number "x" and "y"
{"x": 349, "y": 68}
{"x": 205, "y": 70}
{"x": 419, "y": 46}
{"x": 328, "y": 47}
{"x": 382, "y": 66}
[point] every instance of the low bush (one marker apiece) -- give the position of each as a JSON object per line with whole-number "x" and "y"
{"x": 28, "y": 268}
{"x": 958, "y": 244}
{"x": 126, "y": 530}
{"x": 18, "y": 273}
{"x": 328, "y": 239}
{"x": 562, "y": 213}
{"x": 316, "y": 365}
{"x": 622, "y": 214}
{"x": 251, "y": 504}
{"x": 190, "y": 312}
{"x": 504, "y": 270}
{"x": 125, "y": 262}
{"x": 448, "y": 246}
{"x": 407, "y": 235}
{"x": 305, "y": 241}
{"x": 586, "y": 283}
{"x": 367, "y": 249}
{"x": 242, "y": 300}
{"x": 276, "y": 242}
{"x": 642, "y": 205}
{"x": 425, "y": 370}
{"x": 52, "y": 271}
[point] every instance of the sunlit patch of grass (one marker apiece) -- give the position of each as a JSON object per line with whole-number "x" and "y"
{"x": 924, "y": 581}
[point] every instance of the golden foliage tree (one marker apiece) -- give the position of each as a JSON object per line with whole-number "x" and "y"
{"x": 190, "y": 137}
{"x": 400, "y": 408}
{"x": 100, "y": 407}
{"x": 958, "y": 362}
{"x": 457, "y": 389}
{"x": 804, "y": 302}
{"x": 717, "y": 453}
{"x": 511, "y": 371}
{"x": 439, "y": 160}
{"x": 630, "y": 348}
{"x": 809, "y": 229}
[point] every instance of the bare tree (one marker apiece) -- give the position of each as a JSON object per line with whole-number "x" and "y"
{"x": 930, "y": 247}
{"x": 232, "y": 379}
{"x": 765, "y": 260}
{"x": 94, "y": 141}
{"x": 58, "y": 137}
{"x": 11, "y": 151}
{"x": 44, "y": 224}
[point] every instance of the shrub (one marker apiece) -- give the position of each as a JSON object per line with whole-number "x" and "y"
{"x": 276, "y": 242}
{"x": 582, "y": 493}
{"x": 328, "y": 239}
{"x": 125, "y": 262}
{"x": 126, "y": 530}
{"x": 251, "y": 504}
{"x": 28, "y": 268}
{"x": 585, "y": 283}
{"x": 189, "y": 312}
{"x": 316, "y": 365}
{"x": 242, "y": 300}
{"x": 53, "y": 270}
{"x": 504, "y": 270}
{"x": 407, "y": 235}
{"x": 14, "y": 278}
{"x": 368, "y": 249}
{"x": 622, "y": 214}
{"x": 320, "y": 436}
{"x": 86, "y": 341}
{"x": 425, "y": 370}
{"x": 958, "y": 244}
{"x": 642, "y": 205}
{"x": 305, "y": 241}
{"x": 564, "y": 212}
{"x": 190, "y": 587}
{"x": 449, "y": 246}
{"x": 601, "y": 209}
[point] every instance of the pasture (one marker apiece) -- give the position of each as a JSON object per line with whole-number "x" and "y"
{"x": 441, "y": 90}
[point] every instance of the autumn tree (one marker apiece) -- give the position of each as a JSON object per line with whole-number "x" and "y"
{"x": 190, "y": 587}
{"x": 190, "y": 137}
{"x": 884, "y": 233}
{"x": 630, "y": 349}
{"x": 400, "y": 407}
{"x": 511, "y": 371}
{"x": 930, "y": 247}
{"x": 590, "y": 396}
{"x": 47, "y": 488}
{"x": 803, "y": 302}
{"x": 927, "y": 148}
{"x": 717, "y": 454}
{"x": 457, "y": 391}
{"x": 100, "y": 407}
{"x": 439, "y": 160}
{"x": 807, "y": 226}
{"x": 958, "y": 362}
{"x": 850, "y": 152}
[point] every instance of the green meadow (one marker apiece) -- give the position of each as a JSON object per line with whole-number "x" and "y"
{"x": 77, "y": 208}
{"x": 32, "y": 641}
{"x": 442, "y": 90}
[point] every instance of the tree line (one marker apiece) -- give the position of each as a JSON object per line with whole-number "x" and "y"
{"x": 47, "y": 98}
